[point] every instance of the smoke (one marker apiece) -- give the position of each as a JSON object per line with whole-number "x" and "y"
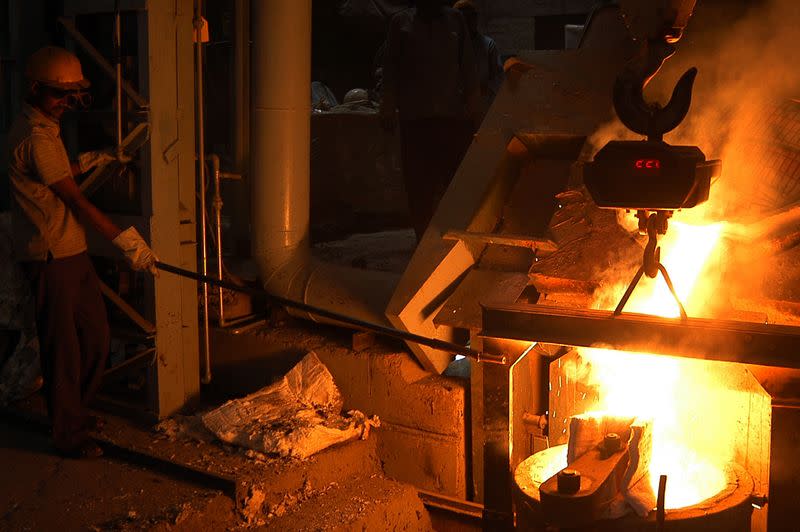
{"x": 749, "y": 72}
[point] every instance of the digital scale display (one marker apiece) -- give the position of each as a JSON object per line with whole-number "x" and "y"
{"x": 649, "y": 175}
{"x": 647, "y": 164}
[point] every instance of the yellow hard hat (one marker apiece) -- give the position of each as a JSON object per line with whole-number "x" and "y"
{"x": 56, "y": 67}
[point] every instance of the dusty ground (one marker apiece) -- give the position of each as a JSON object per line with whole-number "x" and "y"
{"x": 41, "y": 491}
{"x": 175, "y": 477}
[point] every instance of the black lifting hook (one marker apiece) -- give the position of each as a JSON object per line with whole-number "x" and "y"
{"x": 651, "y": 119}
{"x": 651, "y": 266}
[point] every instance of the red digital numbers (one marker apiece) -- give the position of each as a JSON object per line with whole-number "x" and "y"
{"x": 648, "y": 164}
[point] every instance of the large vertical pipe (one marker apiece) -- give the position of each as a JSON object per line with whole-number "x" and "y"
{"x": 280, "y": 141}
{"x": 280, "y": 151}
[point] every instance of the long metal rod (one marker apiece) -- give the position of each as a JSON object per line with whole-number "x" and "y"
{"x": 672, "y": 291}
{"x": 627, "y": 295}
{"x": 201, "y": 176}
{"x": 335, "y": 316}
{"x": 149, "y": 352}
{"x": 660, "y": 502}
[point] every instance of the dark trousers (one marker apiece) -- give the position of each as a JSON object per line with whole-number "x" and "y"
{"x": 73, "y": 338}
{"x": 432, "y": 150}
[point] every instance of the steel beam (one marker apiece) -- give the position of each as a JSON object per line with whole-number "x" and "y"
{"x": 166, "y": 68}
{"x": 129, "y": 311}
{"x": 542, "y": 247}
{"x": 728, "y": 341}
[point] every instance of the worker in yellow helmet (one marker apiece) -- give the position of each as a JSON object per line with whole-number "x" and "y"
{"x": 49, "y": 215}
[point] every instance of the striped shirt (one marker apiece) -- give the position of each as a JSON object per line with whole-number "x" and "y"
{"x": 41, "y": 222}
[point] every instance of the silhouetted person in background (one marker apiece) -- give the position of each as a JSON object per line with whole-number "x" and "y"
{"x": 430, "y": 85}
{"x": 487, "y": 56}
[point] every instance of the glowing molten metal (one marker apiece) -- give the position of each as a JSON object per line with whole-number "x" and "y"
{"x": 671, "y": 390}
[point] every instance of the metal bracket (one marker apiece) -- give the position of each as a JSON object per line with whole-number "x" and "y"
{"x": 131, "y": 143}
{"x": 540, "y": 246}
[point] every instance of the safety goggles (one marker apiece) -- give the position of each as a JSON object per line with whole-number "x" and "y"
{"x": 72, "y": 98}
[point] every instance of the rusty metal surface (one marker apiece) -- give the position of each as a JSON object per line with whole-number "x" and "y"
{"x": 590, "y": 242}
{"x": 729, "y": 341}
{"x": 599, "y": 481}
{"x": 540, "y": 246}
{"x": 730, "y": 510}
{"x": 784, "y": 486}
{"x": 558, "y": 285}
{"x": 463, "y": 308}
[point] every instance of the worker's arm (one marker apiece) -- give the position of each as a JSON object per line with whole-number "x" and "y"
{"x": 89, "y": 215}
{"x": 129, "y": 241}
{"x": 49, "y": 159}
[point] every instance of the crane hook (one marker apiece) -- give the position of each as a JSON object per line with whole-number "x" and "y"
{"x": 651, "y": 119}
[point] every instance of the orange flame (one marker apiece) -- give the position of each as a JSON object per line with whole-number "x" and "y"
{"x": 668, "y": 389}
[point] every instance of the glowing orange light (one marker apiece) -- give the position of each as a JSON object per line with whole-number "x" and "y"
{"x": 664, "y": 388}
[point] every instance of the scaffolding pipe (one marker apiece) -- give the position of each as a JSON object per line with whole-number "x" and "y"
{"x": 198, "y": 23}
{"x": 216, "y": 207}
{"x": 118, "y": 75}
{"x": 241, "y": 86}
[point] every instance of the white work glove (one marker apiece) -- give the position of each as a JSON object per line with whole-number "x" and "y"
{"x": 136, "y": 250}
{"x": 92, "y": 159}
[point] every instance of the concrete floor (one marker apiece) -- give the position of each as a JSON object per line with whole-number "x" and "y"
{"x": 130, "y": 490}
{"x": 41, "y": 491}
{"x": 137, "y": 486}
